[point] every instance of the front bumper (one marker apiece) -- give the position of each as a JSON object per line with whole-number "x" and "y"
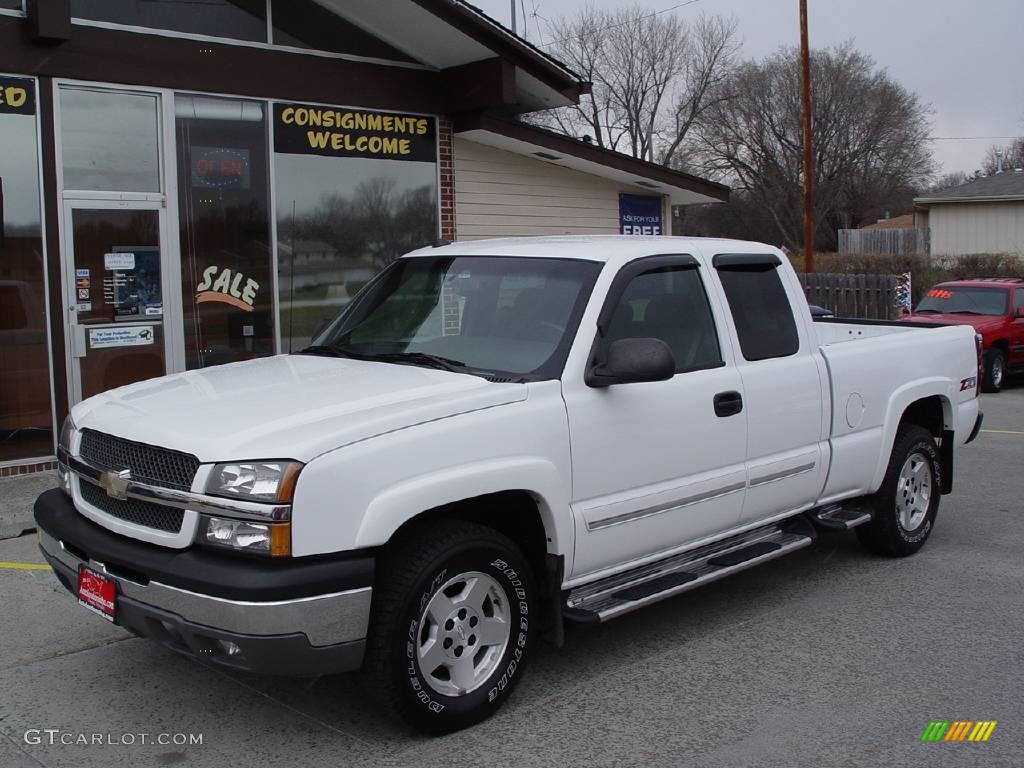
{"x": 300, "y": 617}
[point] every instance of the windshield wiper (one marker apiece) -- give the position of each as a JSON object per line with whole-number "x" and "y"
{"x": 323, "y": 350}
{"x": 421, "y": 358}
{"x": 413, "y": 358}
{"x": 965, "y": 312}
{"x": 922, "y": 311}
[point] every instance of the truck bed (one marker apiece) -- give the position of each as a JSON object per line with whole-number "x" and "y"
{"x": 880, "y": 375}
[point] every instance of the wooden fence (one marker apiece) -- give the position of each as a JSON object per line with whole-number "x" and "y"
{"x": 868, "y": 297}
{"x": 888, "y": 242}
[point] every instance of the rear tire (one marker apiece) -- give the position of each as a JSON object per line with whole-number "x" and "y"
{"x": 454, "y": 614}
{"x": 906, "y": 505}
{"x": 995, "y": 370}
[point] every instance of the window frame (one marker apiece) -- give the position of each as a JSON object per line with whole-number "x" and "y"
{"x": 266, "y": 45}
{"x": 18, "y": 13}
{"x": 626, "y": 275}
{"x": 755, "y": 262}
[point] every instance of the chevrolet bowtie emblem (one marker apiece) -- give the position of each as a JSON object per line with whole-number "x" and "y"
{"x": 116, "y": 483}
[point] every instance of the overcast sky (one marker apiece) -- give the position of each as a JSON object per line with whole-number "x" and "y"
{"x": 964, "y": 57}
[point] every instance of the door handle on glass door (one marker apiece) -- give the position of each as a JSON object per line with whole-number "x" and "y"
{"x": 728, "y": 403}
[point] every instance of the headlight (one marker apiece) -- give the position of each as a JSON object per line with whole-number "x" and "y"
{"x": 272, "y": 481}
{"x": 67, "y": 430}
{"x": 274, "y": 539}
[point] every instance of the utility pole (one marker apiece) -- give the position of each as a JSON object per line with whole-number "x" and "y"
{"x": 513, "y": 2}
{"x": 805, "y": 83}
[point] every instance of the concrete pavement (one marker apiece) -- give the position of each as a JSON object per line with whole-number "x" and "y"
{"x": 829, "y": 657}
{"x": 16, "y": 497}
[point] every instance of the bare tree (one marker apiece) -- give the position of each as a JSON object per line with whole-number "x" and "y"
{"x": 952, "y": 179}
{"x": 580, "y": 44}
{"x": 652, "y": 76}
{"x": 1013, "y": 157}
{"x": 869, "y": 136}
{"x": 711, "y": 57}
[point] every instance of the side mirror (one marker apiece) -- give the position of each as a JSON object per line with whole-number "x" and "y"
{"x": 633, "y": 360}
{"x": 321, "y": 326}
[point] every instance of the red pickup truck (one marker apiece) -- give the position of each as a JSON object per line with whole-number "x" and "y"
{"x": 995, "y": 308}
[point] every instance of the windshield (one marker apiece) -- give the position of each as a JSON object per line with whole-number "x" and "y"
{"x": 955, "y": 299}
{"x": 488, "y": 315}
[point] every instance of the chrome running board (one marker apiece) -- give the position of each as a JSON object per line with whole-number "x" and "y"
{"x": 624, "y": 592}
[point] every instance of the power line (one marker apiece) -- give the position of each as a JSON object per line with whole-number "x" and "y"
{"x": 973, "y": 138}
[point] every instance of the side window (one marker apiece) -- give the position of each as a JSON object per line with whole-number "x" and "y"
{"x": 669, "y": 304}
{"x": 1018, "y": 300}
{"x": 761, "y": 311}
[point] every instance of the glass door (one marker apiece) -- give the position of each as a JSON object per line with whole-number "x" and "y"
{"x": 114, "y": 268}
{"x": 26, "y": 421}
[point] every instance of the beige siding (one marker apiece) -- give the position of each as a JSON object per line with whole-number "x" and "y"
{"x": 499, "y": 193}
{"x": 961, "y": 228}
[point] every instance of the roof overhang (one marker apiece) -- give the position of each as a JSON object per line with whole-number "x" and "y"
{"x": 567, "y": 152}
{"x": 926, "y": 201}
{"x": 448, "y": 34}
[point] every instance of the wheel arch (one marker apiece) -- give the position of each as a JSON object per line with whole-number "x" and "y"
{"x": 525, "y": 517}
{"x": 529, "y": 487}
{"x": 929, "y": 405}
{"x": 1001, "y": 344}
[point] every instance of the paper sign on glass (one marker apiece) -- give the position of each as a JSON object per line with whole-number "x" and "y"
{"x": 114, "y": 261}
{"x": 125, "y": 336}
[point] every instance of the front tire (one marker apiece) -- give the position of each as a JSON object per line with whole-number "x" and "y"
{"x": 906, "y": 505}
{"x": 452, "y": 621}
{"x": 995, "y": 370}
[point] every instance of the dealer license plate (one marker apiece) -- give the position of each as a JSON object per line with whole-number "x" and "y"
{"x": 96, "y": 592}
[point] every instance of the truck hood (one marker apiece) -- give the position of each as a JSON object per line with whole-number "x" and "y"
{"x": 285, "y": 407}
{"x": 980, "y": 323}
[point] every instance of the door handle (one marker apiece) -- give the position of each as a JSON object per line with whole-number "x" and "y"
{"x": 728, "y": 403}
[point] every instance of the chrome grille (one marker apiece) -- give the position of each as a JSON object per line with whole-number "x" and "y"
{"x": 132, "y": 510}
{"x": 148, "y": 464}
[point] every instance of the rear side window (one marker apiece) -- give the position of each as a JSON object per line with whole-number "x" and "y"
{"x": 760, "y": 309}
{"x": 1018, "y": 300}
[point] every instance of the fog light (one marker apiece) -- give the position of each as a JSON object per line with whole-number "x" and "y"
{"x": 274, "y": 539}
{"x": 231, "y": 649}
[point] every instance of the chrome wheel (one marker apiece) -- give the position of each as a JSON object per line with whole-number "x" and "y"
{"x": 914, "y": 491}
{"x": 997, "y": 371}
{"x": 463, "y": 633}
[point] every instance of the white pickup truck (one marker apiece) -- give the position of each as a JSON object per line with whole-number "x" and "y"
{"x": 495, "y": 437}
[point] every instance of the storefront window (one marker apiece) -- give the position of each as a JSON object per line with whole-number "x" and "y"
{"x": 14, "y": 5}
{"x": 109, "y": 141}
{"x": 355, "y": 189}
{"x": 225, "y": 229}
{"x": 26, "y": 428}
{"x": 235, "y": 19}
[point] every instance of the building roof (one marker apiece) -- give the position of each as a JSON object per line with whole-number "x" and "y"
{"x": 568, "y": 152}
{"x": 447, "y": 34}
{"x": 897, "y": 222}
{"x": 1008, "y": 185}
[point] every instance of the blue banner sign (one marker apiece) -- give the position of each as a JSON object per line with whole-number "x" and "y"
{"x": 640, "y": 215}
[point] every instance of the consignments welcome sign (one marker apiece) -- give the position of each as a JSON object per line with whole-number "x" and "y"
{"x": 304, "y": 129}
